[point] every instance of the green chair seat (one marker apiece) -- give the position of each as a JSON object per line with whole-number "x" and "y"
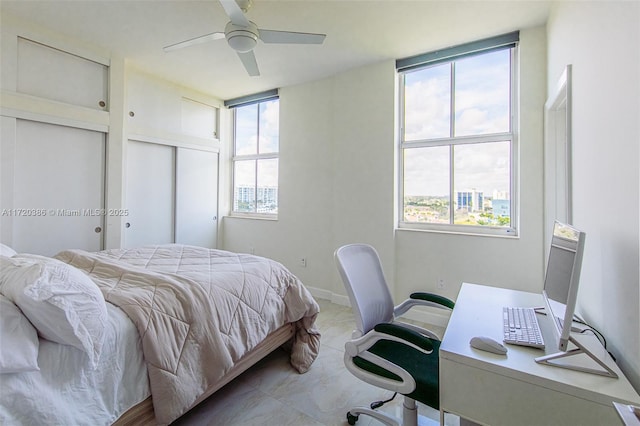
{"x": 420, "y": 366}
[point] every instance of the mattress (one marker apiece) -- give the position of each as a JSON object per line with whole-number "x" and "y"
{"x": 199, "y": 311}
{"x": 66, "y": 391}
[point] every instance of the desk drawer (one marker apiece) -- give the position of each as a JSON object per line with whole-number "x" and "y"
{"x": 492, "y": 399}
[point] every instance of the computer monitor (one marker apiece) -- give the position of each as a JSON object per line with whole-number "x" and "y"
{"x": 562, "y": 277}
{"x": 560, "y": 294}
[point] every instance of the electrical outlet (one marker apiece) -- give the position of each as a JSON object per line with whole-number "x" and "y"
{"x": 440, "y": 284}
{"x": 302, "y": 261}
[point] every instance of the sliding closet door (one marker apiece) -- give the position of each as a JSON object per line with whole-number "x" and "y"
{"x": 197, "y": 197}
{"x": 150, "y": 194}
{"x": 58, "y": 188}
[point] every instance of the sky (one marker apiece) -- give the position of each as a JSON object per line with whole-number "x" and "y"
{"x": 482, "y": 106}
{"x": 253, "y": 122}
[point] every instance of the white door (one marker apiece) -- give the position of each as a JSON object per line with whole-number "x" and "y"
{"x": 58, "y": 188}
{"x": 53, "y": 74}
{"x": 150, "y": 194}
{"x": 197, "y": 197}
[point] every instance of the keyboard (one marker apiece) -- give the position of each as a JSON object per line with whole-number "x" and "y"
{"x": 521, "y": 327}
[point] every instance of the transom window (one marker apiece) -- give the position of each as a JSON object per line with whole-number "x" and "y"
{"x": 457, "y": 140}
{"x": 255, "y": 158}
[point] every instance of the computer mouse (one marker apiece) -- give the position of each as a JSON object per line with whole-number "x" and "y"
{"x": 488, "y": 344}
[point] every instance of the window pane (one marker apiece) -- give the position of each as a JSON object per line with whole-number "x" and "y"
{"x": 244, "y": 184}
{"x": 426, "y": 185}
{"x": 481, "y": 184}
{"x": 269, "y": 127}
{"x": 246, "y": 131}
{"x": 267, "y": 186}
{"x": 427, "y": 103}
{"x": 482, "y": 94}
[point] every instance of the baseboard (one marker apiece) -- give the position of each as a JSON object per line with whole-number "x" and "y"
{"x": 439, "y": 319}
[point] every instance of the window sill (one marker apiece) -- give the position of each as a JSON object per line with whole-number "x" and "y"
{"x": 473, "y": 232}
{"x": 254, "y": 216}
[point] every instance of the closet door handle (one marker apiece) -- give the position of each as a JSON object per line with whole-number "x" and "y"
{"x": 98, "y": 229}
{"x": 127, "y": 225}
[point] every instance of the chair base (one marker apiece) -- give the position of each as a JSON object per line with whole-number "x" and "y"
{"x": 354, "y": 414}
{"x": 409, "y": 414}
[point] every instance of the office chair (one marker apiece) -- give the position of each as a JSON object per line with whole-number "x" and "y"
{"x": 383, "y": 352}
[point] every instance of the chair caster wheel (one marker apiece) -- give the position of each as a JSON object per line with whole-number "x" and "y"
{"x": 351, "y": 419}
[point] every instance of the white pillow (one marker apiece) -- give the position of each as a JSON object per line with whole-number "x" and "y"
{"x": 19, "y": 348}
{"x": 6, "y": 251}
{"x": 62, "y": 302}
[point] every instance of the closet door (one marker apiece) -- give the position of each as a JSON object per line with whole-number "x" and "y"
{"x": 150, "y": 194}
{"x": 197, "y": 197}
{"x": 50, "y": 73}
{"x": 58, "y": 187}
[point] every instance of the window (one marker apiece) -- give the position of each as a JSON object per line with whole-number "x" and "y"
{"x": 255, "y": 158}
{"x": 457, "y": 139}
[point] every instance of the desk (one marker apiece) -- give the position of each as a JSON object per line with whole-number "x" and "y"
{"x": 514, "y": 389}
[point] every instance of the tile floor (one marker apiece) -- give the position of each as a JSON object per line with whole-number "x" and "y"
{"x": 272, "y": 393}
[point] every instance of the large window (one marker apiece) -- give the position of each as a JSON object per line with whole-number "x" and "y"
{"x": 458, "y": 146}
{"x": 255, "y": 158}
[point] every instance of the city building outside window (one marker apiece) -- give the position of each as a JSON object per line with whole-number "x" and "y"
{"x": 458, "y": 141}
{"x": 255, "y": 158}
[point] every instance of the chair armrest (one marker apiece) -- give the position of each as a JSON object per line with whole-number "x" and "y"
{"x": 421, "y": 330}
{"x": 433, "y": 298}
{"x": 405, "y": 334}
{"x": 423, "y": 299}
{"x": 388, "y": 331}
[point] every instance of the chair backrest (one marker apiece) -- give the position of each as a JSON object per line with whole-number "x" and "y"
{"x": 361, "y": 271}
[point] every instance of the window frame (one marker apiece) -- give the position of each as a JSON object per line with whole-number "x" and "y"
{"x": 252, "y": 157}
{"x": 452, "y": 141}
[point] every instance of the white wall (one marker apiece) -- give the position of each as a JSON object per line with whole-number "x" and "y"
{"x": 336, "y": 176}
{"x": 337, "y": 185}
{"x": 602, "y": 42}
{"x": 363, "y": 173}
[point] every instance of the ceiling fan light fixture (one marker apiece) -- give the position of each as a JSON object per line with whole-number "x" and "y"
{"x": 242, "y": 39}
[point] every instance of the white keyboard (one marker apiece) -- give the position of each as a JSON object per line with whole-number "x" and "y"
{"x": 521, "y": 327}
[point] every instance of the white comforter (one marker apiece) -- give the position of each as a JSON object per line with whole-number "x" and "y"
{"x": 67, "y": 391}
{"x": 199, "y": 311}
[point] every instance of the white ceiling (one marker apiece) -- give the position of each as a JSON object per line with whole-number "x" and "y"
{"x": 358, "y": 32}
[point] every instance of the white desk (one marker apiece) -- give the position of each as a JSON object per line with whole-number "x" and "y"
{"x": 514, "y": 389}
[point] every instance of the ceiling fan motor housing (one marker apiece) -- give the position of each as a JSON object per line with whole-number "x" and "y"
{"x": 242, "y": 39}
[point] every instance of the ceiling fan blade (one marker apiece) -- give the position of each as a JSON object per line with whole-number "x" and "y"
{"x": 193, "y": 41}
{"x": 249, "y": 61}
{"x": 271, "y": 36}
{"x": 234, "y": 12}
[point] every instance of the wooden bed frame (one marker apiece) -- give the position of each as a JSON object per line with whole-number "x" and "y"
{"x": 142, "y": 414}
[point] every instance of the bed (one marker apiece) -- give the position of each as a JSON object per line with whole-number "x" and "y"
{"x": 140, "y": 336}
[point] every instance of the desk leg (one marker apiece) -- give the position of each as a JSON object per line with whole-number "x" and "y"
{"x": 463, "y": 421}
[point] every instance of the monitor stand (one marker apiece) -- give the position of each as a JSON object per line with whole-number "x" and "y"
{"x": 582, "y": 344}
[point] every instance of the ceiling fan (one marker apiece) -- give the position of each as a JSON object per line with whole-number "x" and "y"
{"x": 242, "y": 35}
